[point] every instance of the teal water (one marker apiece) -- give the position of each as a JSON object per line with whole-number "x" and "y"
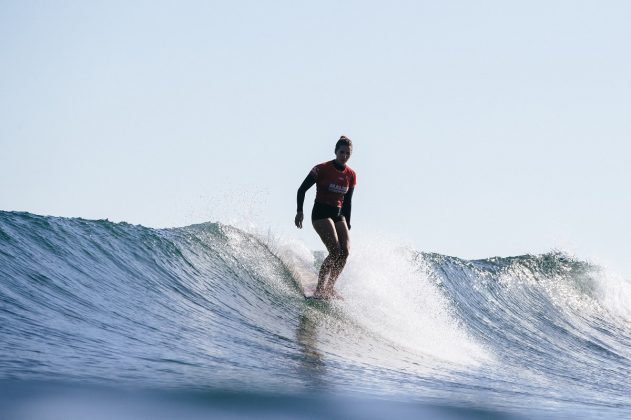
{"x": 210, "y": 319}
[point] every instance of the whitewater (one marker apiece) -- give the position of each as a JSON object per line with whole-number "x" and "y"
{"x": 214, "y": 313}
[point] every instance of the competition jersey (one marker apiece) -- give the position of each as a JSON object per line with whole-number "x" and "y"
{"x": 332, "y": 183}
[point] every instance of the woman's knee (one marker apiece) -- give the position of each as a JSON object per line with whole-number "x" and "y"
{"x": 342, "y": 253}
{"x": 335, "y": 254}
{"x": 345, "y": 249}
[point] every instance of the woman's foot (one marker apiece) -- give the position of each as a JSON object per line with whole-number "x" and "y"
{"x": 333, "y": 294}
{"x": 336, "y": 295}
{"x": 319, "y": 295}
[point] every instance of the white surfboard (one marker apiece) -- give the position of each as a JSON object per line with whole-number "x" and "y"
{"x": 307, "y": 280}
{"x": 302, "y": 265}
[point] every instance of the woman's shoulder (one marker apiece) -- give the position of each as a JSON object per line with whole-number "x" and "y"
{"x": 353, "y": 176}
{"x": 324, "y": 164}
{"x": 319, "y": 167}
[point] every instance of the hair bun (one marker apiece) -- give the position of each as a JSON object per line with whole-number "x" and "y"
{"x": 343, "y": 141}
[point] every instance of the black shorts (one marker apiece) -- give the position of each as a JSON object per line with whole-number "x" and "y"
{"x": 324, "y": 211}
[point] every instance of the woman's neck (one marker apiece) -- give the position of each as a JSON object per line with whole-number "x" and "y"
{"x": 338, "y": 165}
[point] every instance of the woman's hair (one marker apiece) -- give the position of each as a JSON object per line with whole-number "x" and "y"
{"x": 343, "y": 141}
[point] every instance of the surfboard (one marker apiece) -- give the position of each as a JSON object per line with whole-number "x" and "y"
{"x": 303, "y": 272}
{"x": 307, "y": 282}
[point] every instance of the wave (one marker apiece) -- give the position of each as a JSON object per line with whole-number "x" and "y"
{"x": 210, "y": 305}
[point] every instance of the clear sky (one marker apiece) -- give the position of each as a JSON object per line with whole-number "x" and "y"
{"x": 481, "y": 128}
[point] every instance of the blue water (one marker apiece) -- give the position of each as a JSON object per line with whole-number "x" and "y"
{"x": 100, "y": 317}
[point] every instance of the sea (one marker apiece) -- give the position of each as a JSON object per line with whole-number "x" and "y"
{"x": 120, "y": 321}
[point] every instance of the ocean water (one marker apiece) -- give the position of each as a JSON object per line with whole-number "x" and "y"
{"x": 112, "y": 320}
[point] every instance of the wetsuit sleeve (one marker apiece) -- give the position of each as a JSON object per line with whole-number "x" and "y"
{"x": 306, "y": 184}
{"x": 346, "y": 206}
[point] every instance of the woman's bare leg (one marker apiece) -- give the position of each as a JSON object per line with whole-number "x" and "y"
{"x": 344, "y": 248}
{"x": 327, "y": 231}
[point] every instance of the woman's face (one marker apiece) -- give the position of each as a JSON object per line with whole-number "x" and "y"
{"x": 343, "y": 154}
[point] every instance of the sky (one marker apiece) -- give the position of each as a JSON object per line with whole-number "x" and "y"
{"x": 480, "y": 129}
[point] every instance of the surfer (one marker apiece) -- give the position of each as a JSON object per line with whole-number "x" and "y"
{"x": 331, "y": 214}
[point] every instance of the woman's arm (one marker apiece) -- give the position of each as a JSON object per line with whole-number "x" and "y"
{"x": 300, "y": 198}
{"x": 346, "y": 206}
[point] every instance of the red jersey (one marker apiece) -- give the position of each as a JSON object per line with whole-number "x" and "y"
{"x": 332, "y": 184}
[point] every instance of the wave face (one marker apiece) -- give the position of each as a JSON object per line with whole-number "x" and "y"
{"x": 209, "y": 306}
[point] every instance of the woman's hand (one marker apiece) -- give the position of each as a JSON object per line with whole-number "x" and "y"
{"x": 299, "y": 218}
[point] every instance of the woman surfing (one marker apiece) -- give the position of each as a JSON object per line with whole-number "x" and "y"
{"x": 331, "y": 214}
